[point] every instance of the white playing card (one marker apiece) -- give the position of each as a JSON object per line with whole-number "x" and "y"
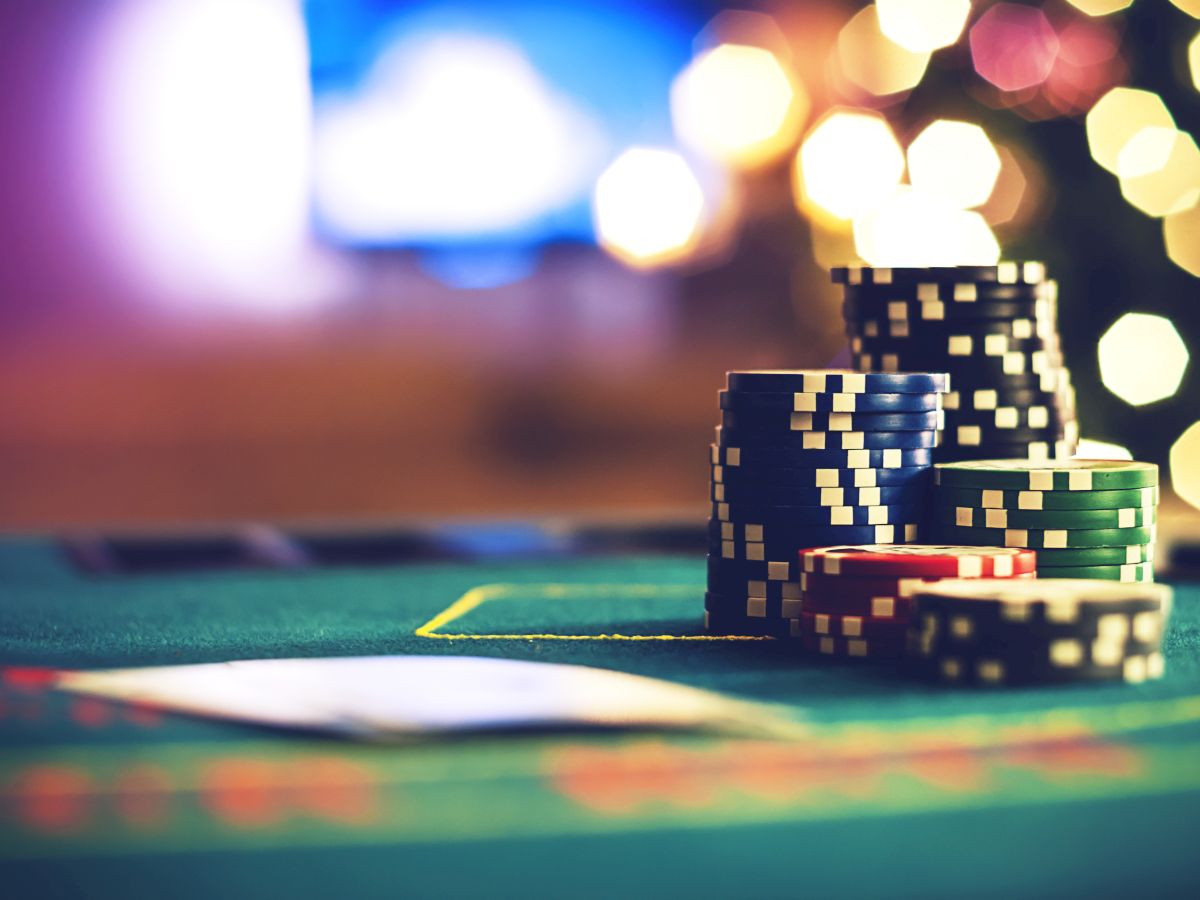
{"x": 378, "y": 696}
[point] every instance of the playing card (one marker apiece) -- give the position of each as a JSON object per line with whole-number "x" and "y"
{"x": 381, "y": 696}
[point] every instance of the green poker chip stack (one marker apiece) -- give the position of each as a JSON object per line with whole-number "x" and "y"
{"x": 1086, "y": 518}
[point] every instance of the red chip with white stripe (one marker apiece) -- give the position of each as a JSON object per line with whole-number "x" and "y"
{"x": 919, "y": 561}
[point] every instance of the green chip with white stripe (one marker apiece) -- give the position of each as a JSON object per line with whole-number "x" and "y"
{"x": 1041, "y": 519}
{"x": 982, "y": 498}
{"x": 1049, "y": 538}
{"x": 1058, "y": 475}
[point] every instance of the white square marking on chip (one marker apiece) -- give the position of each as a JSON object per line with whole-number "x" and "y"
{"x": 852, "y": 440}
{"x": 1106, "y": 653}
{"x": 1044, "y": 481}
{"x": 1006, "y": 272}
{"x": 756, "y": 607}
{"x": 854, "y": 275}
{"x": 801, "y": 422}
{"x": 870, "y": 497}
{"x": 990, "y": 671}
{"x": 928, "y": 292}
{"x": 852, "y": 626}
{"x": 1066, "y": 653}
{"x": 861, "y": 459}
{"x": 950, "y": 400}
{"x": 995, "y": 518}
{"x": 1155, "y": 665}
{"x": 910, "y": 532}
{"x": 840, "y": 422}
{"x": 814, "y": 383}
{"x": 1039, "y": 417}
{"x": 790, "y": 607}
{"x": 865, "y": 478}
{"x": 718, "y": 474}
{"x": 1135, "y": 668}
{"x": 995, "y": 344}
{"x": 777, "y": 571}
{"x": 897, "y": 310}
{"x": 964, "y": 515}
{"x": 728, "y": 550}
{"x": 854, "y": 383}
{"x": 1132, "y": 554}
{"x": 723, "y": 512}
{"x": 883, "y": 607}
{"x": 970, "y": 435}
{"x": 1147, "y": 626}
{"x": 985, "y": 399}
{"x": 856, "y": 648}
{"x": 951, "y": 669}
{"x": 756, "y": 588}
{"x": 754, "y": 532}
{"x": 898, "y": 328}
{"x": 844, "y": 402}
{"x": 1113, "y": 627}
{"x": 1002, "y": 567}
{"x": 961, "y": 627}
{"x": 991, "y": 499}
{"x": 833, "y": 496}
{"x": 1030, "y": 499}
{"x": 826, "y": 478}
{"x": 1079, "y": 480}
{"x": 1054, "y": 538}
{"x": 877, "y": 515}
{"x": 790, "y": 590}
{"x": 756, "y": 552}
{"x": 1022, "y": 328}
{"x": 718, "y": 491}
{"x": 813, "y": 440}
{"x": 1016, "y": 612}
{"x": 1014, "y": 363}
{"x": 1063, "y": 610}
{"x": 882, "y": 276}
{"x": 727, "y": 533}
{"x": 804, "y": 402}
{"x": 1034, "y": 271}
{"x": 959, "y": 345}
{"x": 1007, "y": 417}
{"x": 965, "y": 293}
{"x": 1126, "y": 518}
{"x": 865, "y": 361}
{"x": 733, "y": 456}
{"x": 891, "y": 362}
{"x": 871, "y": 328}
{"x": 827, "y": 645}
{"x": 821, "y": 623}
{"x": 933, "y": 311}
{"x": 1016, "y": 537}
{"x": 841, "y": 515}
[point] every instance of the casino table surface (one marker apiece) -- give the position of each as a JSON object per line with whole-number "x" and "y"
{"x": 899, "y": 788}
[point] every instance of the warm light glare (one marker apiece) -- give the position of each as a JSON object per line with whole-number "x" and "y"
{"x": 1181, "y": 234}
{"x": 923, "y": 25}
{"x": 1194, "y": 60}
{"x": 873, "y": 62}
{"x": 850, "y": 163}
{"x": 1145, "y": 152}
{"x": 955, "y": 161}
{"x": 1009, "y": 192}
{"x": 453, "y": 134}
{"x": 1185, "y": 465}
{"x": 915, "y": 228}
{"x": 203, "y": 117}
{"x": 1089, "y": 449}
{"x": 1100, "y": 7}
{"x": 1142, "y": 358}
{"x": 1117, "y": 117}
{"x": 647, "y": 206}
{"x": 1013, "y": 47}
{"x": 736, "y": 104}
{"x": 1191, "y": 7}
{"x": 1172, "y": 187}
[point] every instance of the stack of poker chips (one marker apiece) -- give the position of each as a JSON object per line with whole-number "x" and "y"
{"x": 993, "y": 329}
{"x": 856, "y": 601}
{"x": 809, "y": 458}
{"x": 1086, "y": 518}
{"x": 1038, "y": 632}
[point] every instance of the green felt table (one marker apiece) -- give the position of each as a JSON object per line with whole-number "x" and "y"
{"x": 900, "y": 788}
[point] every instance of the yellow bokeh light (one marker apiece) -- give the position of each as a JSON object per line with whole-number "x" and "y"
{"x": 1145, "y": 152}
{"x": 923, "y": 25}
{"x": 1117, "y": 117}
{"x": 1009, "y": 192}
{"x": 1100, "y": 7}
{"x": 1194, "y": 60}
{"x": 1089, "y": 449}
{"x": 1142, "y": 358}
{"x": 736, "y": 104}
{"x": 1191, "y": 7}
{"x": 916, "y": 228}
{"x": 955, "y": 161}
{"x": 1185, "y": 465}
{"x": 873, "y": 62}
{"x": 1181, "y": 234}
{"x": 647, "y": 207}
{"x": 1171, "y": 187}
{"x": 849, "y": 163}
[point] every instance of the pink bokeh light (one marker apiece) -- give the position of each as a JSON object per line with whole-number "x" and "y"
{"x": 1013, "y": 47}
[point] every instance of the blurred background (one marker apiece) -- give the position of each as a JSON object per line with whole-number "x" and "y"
{"x": 276, "y": 259}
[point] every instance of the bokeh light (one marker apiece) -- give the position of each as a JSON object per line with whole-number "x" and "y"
{"x": 1100, "y": 7}
{"x": 1090, "y": 449}
{"x": 955, "y": 161}
{"x": 1089, "y": 63}
{"x": 1009, "y": 193}
{"x": 1185, "y": 465}
{"x": 1181, "y": 234}
{"x": 1013, "y": 47}
{"x": 736, "y": 104}
{"x": 873, "y": 62}
{"x": 1191, "y": 7}
{"x": 923, "y": 25}
{"x": 647, "y": 207}
{"x": 1117, "y": 117}
{"x": 850, "y": 163}
{"x": 1194, "y": 60}
{"x": 1142, "y": 358}
{"x": 1166, "y": 167}
{"x": 916, "y": 228}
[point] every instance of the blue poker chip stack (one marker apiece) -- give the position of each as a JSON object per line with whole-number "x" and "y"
{"x": 993, "y": 329}
{"x": 811, "y": 458}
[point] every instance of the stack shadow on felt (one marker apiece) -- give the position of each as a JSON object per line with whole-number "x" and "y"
{"x": 993, "y": 330}
{"x": 810, "y": 458}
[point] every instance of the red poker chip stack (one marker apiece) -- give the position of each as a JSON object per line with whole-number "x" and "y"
{"x": 855, "y": 600}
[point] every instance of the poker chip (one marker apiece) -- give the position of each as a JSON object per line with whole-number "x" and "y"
{"x": 1131, "y": 572}
{"x": 1050, "y": 538}
{"x": 914, "y": 311}
{"x": 994, "y": 632}
{"x": 748, "y": 458}
{"x": 970, "y": 517}
{"x": 774, "y": 421}
{"x": 913, "y": 477}
{"x": 853, "y": 648}
{"x": 920, "y": 560}
{"x": 784, "y": 438}
{"x": 758, "y": 493}
{"x": 983, "y": 400}
{"x": 1096, "y": 556}
{"x": 1031, "y": 451}
{"x": 982, "y": 498}
{"x": 836, "y": 381}
{"x": 777, "y": 536}
{"x": 1001, "y": 273}
{"x": 881, "y": 326}
{"x": 1061, "y": 475}
{"x": 852, "y": 626}
{"x": 961, "y": 291}
{"x": 811, "y": 401}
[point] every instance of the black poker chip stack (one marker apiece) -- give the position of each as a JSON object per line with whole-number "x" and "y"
{"x": 993, "y": 329}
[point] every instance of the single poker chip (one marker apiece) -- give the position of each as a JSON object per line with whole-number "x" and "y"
{"x": 718, "y": 623}
{"x": 844, "y": 381}
{"x": 1049, "y": 538}
{"x": 901, "y": 329}
{"x": 912, "y": 477}
{"x": 878, "y": 606}
{"x": 1061, "y": 475}
{"x": 801, "y": 402}
{"x": 803, "y": 537}
{"x": 798, "y": 517}
{"x": 1132, "y": 572}
{"x": 983, "y": 498}
{"x": 1009, "y": 419}
{"x": 956, "y": 344}
{"x": 835, "y": 587}
{"x": 942, "y": 311}
{"x": 1038, "y": 665}
{"x": 772, "y": 423}
{"x": 1130, "y": 554}
{"x": 777, "y": 538}
{"x": 970, "y": 517}
{"x": 1058, "y": 601}
{"x": 740, "y": 577}
{"x": 749, "y": 606}
{"x": 851, "y": 648}
{"x": 755, "y": 458}
{"x": 1034, "y": 451}
{"x": 949, "y": 292}
{"x": 983, "y": 400}
{"x": 1015, "y": 368}
{"x": 774, "y": 593}
{"x": 1008, "y": 272}
{"x": 827, "y": 440}
{"x": 963, "y": 435}
{"x": 851, "y": 626}
{"x": 776, "y": 495}
{"x": 919, "y": 560}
